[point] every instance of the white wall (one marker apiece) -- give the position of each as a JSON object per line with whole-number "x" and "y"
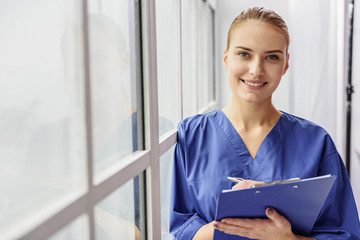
{"x": 317, "y": 71}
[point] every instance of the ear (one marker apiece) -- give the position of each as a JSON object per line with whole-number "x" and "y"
{"x": 225, "y": 59}
{"x": 286, "y": 64}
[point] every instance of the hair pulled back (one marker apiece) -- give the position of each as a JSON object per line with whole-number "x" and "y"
{"x": 263, "y": 15}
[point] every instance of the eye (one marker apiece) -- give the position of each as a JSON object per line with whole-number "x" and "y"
{"x": 272, "y": 57}
{"x": 244, "y": 54}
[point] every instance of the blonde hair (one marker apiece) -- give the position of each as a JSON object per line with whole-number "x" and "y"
{"x": 263, "y": 15}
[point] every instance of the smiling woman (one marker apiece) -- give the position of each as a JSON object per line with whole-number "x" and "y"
{"x": 252, "y": 140}
{"x": 256, "y": 56}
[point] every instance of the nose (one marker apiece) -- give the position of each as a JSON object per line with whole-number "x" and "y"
{"x": 256, "y": 67}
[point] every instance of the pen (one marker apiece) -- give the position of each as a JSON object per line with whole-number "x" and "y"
{"x": 236, "y": 179}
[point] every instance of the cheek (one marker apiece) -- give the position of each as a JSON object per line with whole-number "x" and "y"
{"x": 237, "y": 69}
{"x": 275, "y": 72}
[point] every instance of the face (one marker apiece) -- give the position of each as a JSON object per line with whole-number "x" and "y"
{"x": 255, "y": 61}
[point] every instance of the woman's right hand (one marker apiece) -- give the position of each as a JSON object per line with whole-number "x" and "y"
{"x": 206, "y": 231}
{"x": 245, "y": 184}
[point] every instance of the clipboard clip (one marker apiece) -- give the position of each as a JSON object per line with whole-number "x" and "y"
{"x": 276, "y": 182}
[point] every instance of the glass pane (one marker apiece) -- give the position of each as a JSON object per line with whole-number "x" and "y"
{"x": 165, "y": 189}
{"x": 189, "y": 79}
{"x": 78, "y": 229}
{"x": 202, "y": 75}
{"x": 167, "y": 27}
{"x": 118, "y": 215}
{"x": 42, "y": 141}
{"x": 211, "y": 53}
{"x": 114, "y": 106}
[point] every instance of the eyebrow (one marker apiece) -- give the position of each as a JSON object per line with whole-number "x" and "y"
{"x": 270, "y": 51}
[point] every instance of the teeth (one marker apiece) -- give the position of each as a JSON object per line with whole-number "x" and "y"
{"x": 254, "y": 84}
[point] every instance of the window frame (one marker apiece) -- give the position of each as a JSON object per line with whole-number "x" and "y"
{"x": 146, "y": 160}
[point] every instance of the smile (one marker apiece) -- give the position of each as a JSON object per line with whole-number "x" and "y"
{"x": 252, "y": 84}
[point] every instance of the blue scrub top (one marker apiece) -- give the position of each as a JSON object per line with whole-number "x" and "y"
{"x": 209, "y": 149}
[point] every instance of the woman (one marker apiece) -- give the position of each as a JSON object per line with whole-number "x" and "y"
{"x": 251, "y": 139}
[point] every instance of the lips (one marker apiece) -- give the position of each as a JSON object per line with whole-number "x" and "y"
{"x": 254, "y": 83}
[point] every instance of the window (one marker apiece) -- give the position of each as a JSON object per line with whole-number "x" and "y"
{"x": 168, "y": 63}
{"x": 77, "y": 229}
{"x": 42, "y": 148}
{"x": 198, "y": 57}
{"x": 86, "y": 137}
{"x": 205, "y": 56}
{"x": 189, "y": 53}
{"x": 165, "y": 189}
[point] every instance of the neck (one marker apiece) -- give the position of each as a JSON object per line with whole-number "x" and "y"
{"x": 247, "y": 115}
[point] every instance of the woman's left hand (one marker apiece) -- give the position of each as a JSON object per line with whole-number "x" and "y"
{"x": 275, "y": 227}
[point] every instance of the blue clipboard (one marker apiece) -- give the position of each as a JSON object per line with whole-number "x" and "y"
{"x": 299, "y": 201}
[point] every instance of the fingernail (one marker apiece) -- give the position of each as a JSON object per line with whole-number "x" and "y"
{"x": 270, "y": 210}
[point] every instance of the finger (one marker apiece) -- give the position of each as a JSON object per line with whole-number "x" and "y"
{"x": 241, "y": 222}
{"x": 232, "y": 229}
{"x": 245, "y": 184}
{"x": 247, "y": 232}
{"x": 238, "y": 232}
{"x": 273, "y": 215}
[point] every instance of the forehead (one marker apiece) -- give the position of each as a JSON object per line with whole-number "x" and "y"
{"x": 255, "y": 34}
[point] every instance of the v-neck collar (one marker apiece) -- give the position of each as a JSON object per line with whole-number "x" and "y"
{"x": 234, "y": 140}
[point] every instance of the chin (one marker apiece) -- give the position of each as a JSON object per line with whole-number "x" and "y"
{"x": 255, "y": 99}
